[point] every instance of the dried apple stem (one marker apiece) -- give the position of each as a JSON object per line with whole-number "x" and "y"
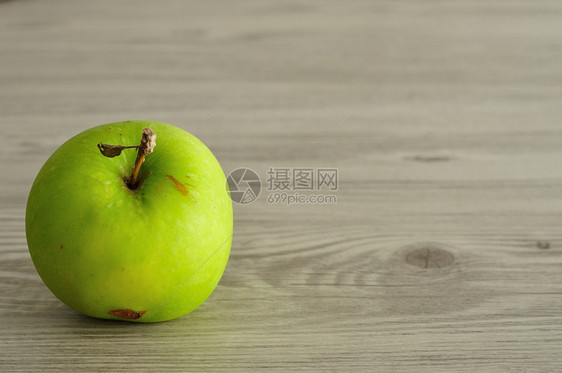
{"x": 148, "y": 142}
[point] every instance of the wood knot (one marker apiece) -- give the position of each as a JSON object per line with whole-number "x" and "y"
{"x": 543, "y": 245}
{"x": 429, "y": 158}
{"x": 429, "y": 257}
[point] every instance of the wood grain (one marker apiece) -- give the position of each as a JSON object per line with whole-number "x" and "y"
{"x": 443, "y": 251}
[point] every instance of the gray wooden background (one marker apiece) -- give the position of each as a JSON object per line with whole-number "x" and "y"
{"x": 443, "y": 118}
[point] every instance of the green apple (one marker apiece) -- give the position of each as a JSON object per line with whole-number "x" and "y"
{"x": 115, "y": 238}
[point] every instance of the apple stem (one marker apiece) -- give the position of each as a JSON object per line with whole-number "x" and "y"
{"x": 148, "y": 142}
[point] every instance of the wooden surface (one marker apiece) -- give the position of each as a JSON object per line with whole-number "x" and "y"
{"x": 450, "y": 193}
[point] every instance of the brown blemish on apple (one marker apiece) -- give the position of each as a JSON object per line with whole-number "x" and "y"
{"x": 127, "y": 313}
{"x": 179, "y": 186}
{"x": 61, "y": 247}
{"x": 191, "y": 185}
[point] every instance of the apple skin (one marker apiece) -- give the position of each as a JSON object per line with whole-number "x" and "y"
{"x": 151, "y": 254}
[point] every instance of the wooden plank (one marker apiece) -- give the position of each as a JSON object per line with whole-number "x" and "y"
{"x": 443, "y": 251}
